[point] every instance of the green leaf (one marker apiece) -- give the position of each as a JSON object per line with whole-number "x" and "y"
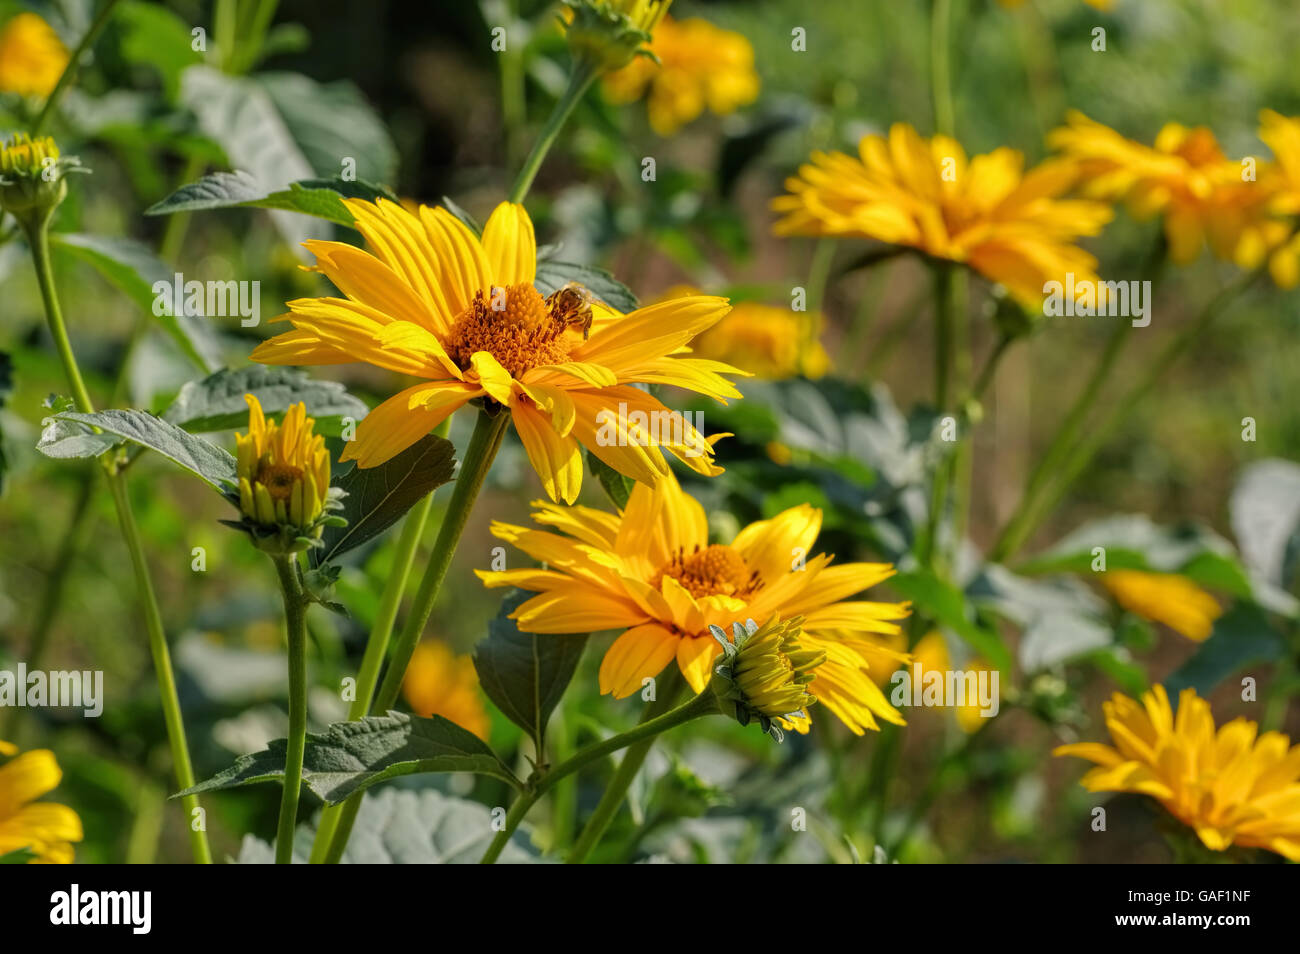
{"x": 19, "y": 856}
{"x": 947, "y": 604}
{"x": 378, "y": 496}
{"x": 201, "y": 458}
{"x": 135, "y": 270}
{"x": 331, "y": 122}
{"x": 523, "y": 673}
{"x": 618, "y": 487}
{"x": 553, "y": 275}
{"x": 401, "y": 827}
{"x": 350, "y": 757}
{"x": 1242, "y": 637}
{"x": 153, "y": 36}
{"x": 1060, "y": 618}
{"x": 1265, "y": 511}
{"x": 216, "y": 403}
{"x": 468, "y": 220}
{"x": 321, "y": 198}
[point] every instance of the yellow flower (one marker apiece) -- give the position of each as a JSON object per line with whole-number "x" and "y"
{"x": 1102, "y": 5}
{"x": 284, "y": 470}
{"x": 1186, "y": 178}
{"x": 459, "y": 312}
{"x": 1233, "y": 788}
{"x": 1282, "y": 134}
{"x": 768, "y": 342}
{"x": 652, "y": 573}
{"x": 931, "y": 654}
{"x": 438, "y": 682}
{"x": 1009, "y": 225}
{"x": 43, "y": 828}
{"x": 32, "y": 57}
{"x": 700, "y": 66}
{"x": 33, "y": 178}
{"x": 1165, "y": 598}
{"x": 765, "y": 673}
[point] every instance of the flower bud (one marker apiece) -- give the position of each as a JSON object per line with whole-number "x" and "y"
{"x": 764, "y": 673}
{"x": 32, "y": 178}
{"x": 609, "y": 34}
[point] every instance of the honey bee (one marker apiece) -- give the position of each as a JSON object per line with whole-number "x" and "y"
{"x": 570, "y": 307}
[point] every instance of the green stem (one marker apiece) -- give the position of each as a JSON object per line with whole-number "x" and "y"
{"x": 641, "y": 736}
{"x": 941, "y": 65}
{"x": 943, "y": 334}
{"x": 377, "y": 647}
{"x": 70, "y": 71}
{"x": 295, "y": 615}
{"x": 489, "y": 430}
{"x": 921, "y": 806}
{"x": 819, "y": 270}
{"x": 1082, "y": 453}
{"x": 580, "y": 79}
{"x": 39, "y": 241}
{"x": 632, "y": 761}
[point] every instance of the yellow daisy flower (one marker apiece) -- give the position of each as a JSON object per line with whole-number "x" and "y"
{"x": 1184, "y": 177}
{"x": 435, "y": 301}
{"x": 1165, "y": 598}
{"x": 284, "y": 470}
{"x": 1282, "y": 134}
{"x": 700, "y": 66}
{"x": 438, "y": 682}
{"x": 32, "y": 57}
{"x": 1009, "y": 225}
{"x": 1233, "y": 787}
{"x": 651, "y": 572}
{"x": 43, "y": 828}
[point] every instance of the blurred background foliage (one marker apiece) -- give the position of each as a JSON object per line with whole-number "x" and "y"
{"x": 417, "y": 96}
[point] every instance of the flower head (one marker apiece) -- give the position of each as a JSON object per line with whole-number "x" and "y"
{"x": 284, "y": 477}
{"x": 769, "y": 342}
{"x": 438, "y": 682}
{"x": 1009, "y": 225}
{"x": 1184, "y": 177}
{"x": 1233, "y": 786}
{"x": 32, "y": 177}
{"x": 1165, "y": 598}
{"x": 45, "y": 829}
{"x": 652, "y": 573}
{"x": 462, "y": 314}
{"x": 32, "y": 57}
{"x": 764, "y": 673}
{"x": 695, "y": 65}
{"x": 609, "y": 34}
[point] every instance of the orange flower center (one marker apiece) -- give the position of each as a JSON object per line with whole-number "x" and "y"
{"x": 278, "y": 479}
{"x": 713, "y": 570}
{"x": 519, "y": 327}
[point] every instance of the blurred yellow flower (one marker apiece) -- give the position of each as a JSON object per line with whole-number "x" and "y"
{"x": 461, "y": 312}
{"x": 932, "y": 655}
{"x": 608, "y": 34}
{"x": 438, "y": 682}
{"x": 1232, "y": 787}
{"x": 700, "y": 65}
{"x": 284, "y": 469}
{"x": 1204, "y": 197}
{"x": 45, "y": 829}
{"x": 652, "y": 573}
{"x": 768, "y": 342}
{"x": 1282, "y": 134}
{"x": 1165, "y": 598}
{"x": 32, "y": 57}
{"x": 1009, "y": 225}
{"x": 1102, "y": 5}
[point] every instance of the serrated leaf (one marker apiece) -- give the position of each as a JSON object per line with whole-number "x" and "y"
{"x": 135, "y": 270}
{"x": 201, "y": 458}
{"x": 216, "y": 403}
{"x": 618, "y": 487}
{"x": 553, "y": 275}
{"x": 349, "y": 757}
{"x": 947, "y": 604}
{"x": 523, "y": 673}
{"x": 321, "y": 198}
{"x": 377, "y": 497}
